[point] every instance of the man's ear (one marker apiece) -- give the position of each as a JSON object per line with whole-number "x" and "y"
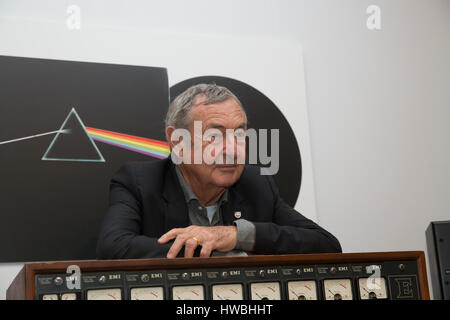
{"x": 178, "y": 140}
{"x": 169, "y": 131}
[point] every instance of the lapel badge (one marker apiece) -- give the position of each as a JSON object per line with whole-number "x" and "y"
{"x": 237, "y": 214}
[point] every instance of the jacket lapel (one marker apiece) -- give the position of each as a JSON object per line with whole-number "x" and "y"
{"x": 177, "y": 214}
{"x": 236, "y": 203}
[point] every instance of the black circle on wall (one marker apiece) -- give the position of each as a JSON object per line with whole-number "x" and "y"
{"x": 262, "y": 113}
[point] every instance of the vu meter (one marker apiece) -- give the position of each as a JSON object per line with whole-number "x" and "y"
{"x": 188, "y": 293}
{"x": 105, "y": 294}
{"x": 68, "y": 296}
{"x": 337, "y": 289}
{"x": 147, "y": 293}
{"x": 372, "y": 288}
{"x": 265, "y": 291}
{"x": 302, "y": 290}
{"x": 228, "y": 292}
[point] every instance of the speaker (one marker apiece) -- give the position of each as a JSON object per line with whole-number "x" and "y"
{"x": 438, "y": 244}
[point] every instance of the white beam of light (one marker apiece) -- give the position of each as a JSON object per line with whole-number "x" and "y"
{"x": 35, "y": 136}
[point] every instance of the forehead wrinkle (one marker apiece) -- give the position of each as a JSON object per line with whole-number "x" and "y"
{"x": 210, "y": 112}
{"x": 229, "y": 120}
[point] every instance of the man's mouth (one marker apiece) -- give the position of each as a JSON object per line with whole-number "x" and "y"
{"x": 226, "y": 166}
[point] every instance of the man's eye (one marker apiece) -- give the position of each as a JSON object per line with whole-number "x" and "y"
{"x": 239, "y": 133}
{"x": 213, "y": 137}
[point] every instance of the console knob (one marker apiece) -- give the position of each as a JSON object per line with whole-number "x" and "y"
{"x": 59, "y": 281}
{"x": 185, "y": 276}
{"x": 102, "y": 279}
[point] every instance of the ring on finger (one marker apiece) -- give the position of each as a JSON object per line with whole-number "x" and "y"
{"x": 198, "y": 241}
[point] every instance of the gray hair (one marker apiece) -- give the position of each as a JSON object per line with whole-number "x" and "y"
{"x": 178, "y": 114}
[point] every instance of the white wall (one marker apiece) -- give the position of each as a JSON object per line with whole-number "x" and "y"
{"x": 378, "y": 101}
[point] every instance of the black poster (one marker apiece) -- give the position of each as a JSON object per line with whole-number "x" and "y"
{"x": 65, "y": 129}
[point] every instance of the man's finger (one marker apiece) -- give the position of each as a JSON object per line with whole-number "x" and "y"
{"x": 169, "y": 235}
{"x": 206, "y": 251}
{"x": 189, "y": 247}
{"x": 176, "y": 247}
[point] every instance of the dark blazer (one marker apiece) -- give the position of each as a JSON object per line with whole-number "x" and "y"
{"x": 146, "y": 201}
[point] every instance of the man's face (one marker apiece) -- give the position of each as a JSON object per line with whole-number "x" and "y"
{"x": 219, "y": 117}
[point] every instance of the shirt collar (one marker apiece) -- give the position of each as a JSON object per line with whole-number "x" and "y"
{"x": 189, "y": 194}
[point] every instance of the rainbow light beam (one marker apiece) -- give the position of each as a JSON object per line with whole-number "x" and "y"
{"x": 149, "y": 147}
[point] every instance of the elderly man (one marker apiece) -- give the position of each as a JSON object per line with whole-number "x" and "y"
{"x": 163, "y": 209}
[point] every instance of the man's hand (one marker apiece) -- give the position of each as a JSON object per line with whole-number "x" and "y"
{"x": 221, "y": 238}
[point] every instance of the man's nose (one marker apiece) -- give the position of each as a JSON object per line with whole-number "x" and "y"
{"x": 230, "y": 145}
